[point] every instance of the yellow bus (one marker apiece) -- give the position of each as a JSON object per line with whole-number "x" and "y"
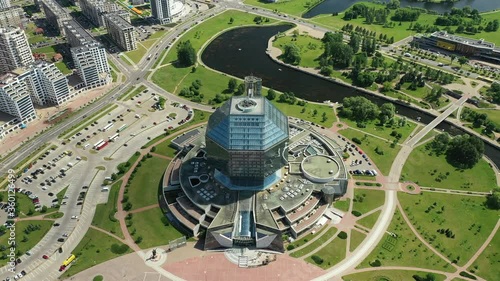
{"x": 69, "y": 260}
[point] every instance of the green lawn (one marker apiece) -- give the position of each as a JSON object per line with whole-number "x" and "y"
{"x": 369, "y": 144}
{"x": 296, "y": 8}
{"x": 398, "y": 32}
{"x": 310, "y": 48}
{"x": 420, "y": 168}
{"x": 148, "y": 43}
{"x": 32, "y": 238}
{"x": 63, "y": 68}
{"x": 158, "y": 34}
{"x": 105, "y": 213}
{"x": 206, "y": 30}
{"x": 143, "y": 190}
{"x": 343, "y": 205}
{"x": 389, "y": 275}
{"x": 370, "y": 220}
{"x": 49, "y": 51}
{"x": 356, "y": 239}
{"x": 366, "y": 200}
{"x": 332, "y": 253}
{"x": 487, "y": 36}
{"x": 164, "y": 148}
{"x": 301, "y": 241}
{"x": 493, "y": 115}
{"x": 487, "y": 264}
{"x": 308, "y": 114}
{"x": 137, "y": 54}
{"x": 149, "y": 226}
{"x": 316, "y": 244}
{"x": 405, "y": 250}
{"x": 94, "y": 248}
{"x": 373, "y": 127}
{"x": 465, "y": 216}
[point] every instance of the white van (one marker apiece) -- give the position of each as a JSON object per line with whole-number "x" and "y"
{"x": 70, "y": 164}
{"x": 105, "y": 188}
{"x": 108, "y": 178}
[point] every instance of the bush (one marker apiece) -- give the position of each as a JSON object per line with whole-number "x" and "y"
{"x": 468, "y": 275}
{"x": 342, "y": 235}
{"x": 375, "y": 263}
{"x": 356, "y": 213}
{"x": 317, "y": 259}
{"x": 119, "y": 249}
{"x": 290, "y": 247}
{"x": 356, "y": 140}
{"x": 153, "y": 149}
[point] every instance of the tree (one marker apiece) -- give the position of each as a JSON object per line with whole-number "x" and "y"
{"x": 358, "y": 109}
{"x": 452, "y": 58}
{"x": 231, "y": 20}
{"x": 291, "y": 54}
{"x": 462, "y": 60}
{"x": 493, "y": 200}
{"x": 465, "y": 151}
{"x": 354, "y": 42}
{"x": 186, "y": 55}
{"x": 271, "y": 94}
{"x": 341, "y": 54}
{"x": 240, "y": 90}
{"x": 232, "y": 84}
{"x": 331, "y": 37}
{"x": 387, "y": 111}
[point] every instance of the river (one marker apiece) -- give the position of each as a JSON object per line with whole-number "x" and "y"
{"x": 242, "y": 52}
{"x": 337, "y": 6}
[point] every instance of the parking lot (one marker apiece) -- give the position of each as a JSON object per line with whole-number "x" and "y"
{"x": 358, "y": 162}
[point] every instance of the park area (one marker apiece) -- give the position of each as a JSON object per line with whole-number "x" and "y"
{"x": 106, "y": 218}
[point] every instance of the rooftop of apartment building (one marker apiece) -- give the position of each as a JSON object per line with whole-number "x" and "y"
{"x": 78, "y": 31}
{"x": 119, "y": 21}
{"x": 55, "y": 8}
{"x": 463, "y": 40}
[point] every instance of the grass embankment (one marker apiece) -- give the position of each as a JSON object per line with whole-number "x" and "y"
{"x": 356, "y": 239}
{"x": 149, "y": 225}
{"x": 343, "y": 205}
{"x": 435, "y": 171}
{"x": 370, "y": 220}
{"x": 302, "y": 241}
{"x": 366, "y": 200}
{"x": 386, "y": 154}
{"x": 466, "y": 217}
{"x": 330, "y": 254}
{"x": 405, "y": 250}
{"x": 325, "y": 236}
{"x": 96, "y": 247}
{"x": 105, "y": 213}
{"x": 310, "y": 48}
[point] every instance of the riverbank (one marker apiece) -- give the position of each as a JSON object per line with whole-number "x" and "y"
{"x": 274, "y": 53}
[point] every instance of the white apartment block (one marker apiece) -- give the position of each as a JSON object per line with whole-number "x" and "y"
{"x": 11, "y": 16}
{"x": 92, "y": 64}
{"x": 49, "y": 85}
{"x": 55, "y": 15}
{"x": 121, "y": 32}
{"x": 15, "y": 96}
{"x": 15, "y": 51}
{"x": 162, "y": 10}
{"x": 95, "y": 10}
{"x": 4, "y": 4}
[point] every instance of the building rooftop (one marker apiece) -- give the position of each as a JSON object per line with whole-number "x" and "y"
{"x": 464, "y": 40}
{"x": 119, "y": 21}
{"x": 79, "y": 32}
{"x": 56, "y": 8}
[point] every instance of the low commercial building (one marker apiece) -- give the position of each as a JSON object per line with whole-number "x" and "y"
{"x": 55, "y": 15}
{"x": 121, "y": 32}
{"x": 460, "y": 45}
{"x": 11, "y": 16}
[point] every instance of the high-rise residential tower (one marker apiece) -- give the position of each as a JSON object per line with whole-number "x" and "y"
{"x": 14, "y": 49}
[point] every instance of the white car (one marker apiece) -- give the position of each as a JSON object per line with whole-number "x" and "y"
{"x": 74, "y": 217}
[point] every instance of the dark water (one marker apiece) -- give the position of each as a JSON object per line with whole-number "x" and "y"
{"x": 241, "y": 52}
{"x": 337, "y": 6}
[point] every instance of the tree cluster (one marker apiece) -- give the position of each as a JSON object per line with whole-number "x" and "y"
{"x": 492, "y": 26}
{"x": 405, "y": 15}
{"x": 446, "y": 232}
{"x": 494, "y": 93}
{"x": 493, "y": 200}
{"x": 287, "y": 97}
{"x": 291, "y": 54}
{"x": 479, "y": 120}
{"x": 359, "y": 109}
{"x": 193, "y": 91}
{"x": 428, "y": 277}
{"x": 186, "y": 55}
{"x": 463, "y": 151}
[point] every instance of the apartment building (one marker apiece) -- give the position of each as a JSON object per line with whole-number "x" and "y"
{"x": 11, "y": 16}
{"x": 121, "y": 32}
{"x": 162, "y": 10}
{"x": 14, "y": 49}
{"x": 49, "y": 85}
{"x": 15, "y": 96}
{"x": 55, "y": 15}
{"x": 4, "y": 4}
{"x": 95, "y": 10}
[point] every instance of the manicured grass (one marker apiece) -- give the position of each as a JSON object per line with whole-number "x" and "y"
{"x": 429, "y": 135}
{"x": 105, "y": 213}
{"x": 356, "y": 239}
{"x": 398, "y": 31}
{"x": 310, "y": 48}
{"x": 388, "y": 275}
{"x": 370, "y": 220}
{"x": 137, "y": 54}
{"x": 301, "y": 241}
{"x": 164, "y": 148}
{"x": 94, "y": 248}
{"x": 343, "y": 205}
{"x": 63, "y": 67}
{"x": 149, "y": 226}
{"x": 158, "y": 34}
{"x": 487, "y": 264}
{"x": 316, "y": 244}
{"x": 143, "y": 190}
{"x": 206, "y": 30}
{"x": 487, "y": 36}
{"x": 55, "y": 215}
{"x": 49, "y": 51}
{"x": 373, "y": 127}
{"x": 98, "y": 278}
{"x": 405, "y": 250}
{"x": 332, "y": 253}
{"x": 296, "y": 8}
{"x": 366, "y": 200}
{"x": 369, "y": 144}
{"x": 33, "y": 237}
{"x": 148, "y": 43}
{"x": 308, "y": 114}
{"x": 86, "y": 122}
{"x": 465, "y": 216}
{"x": 420, "y": 168}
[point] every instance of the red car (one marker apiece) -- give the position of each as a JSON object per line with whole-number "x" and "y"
{"x": 45, "y": 257}
{"x": 63, "y": 267}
